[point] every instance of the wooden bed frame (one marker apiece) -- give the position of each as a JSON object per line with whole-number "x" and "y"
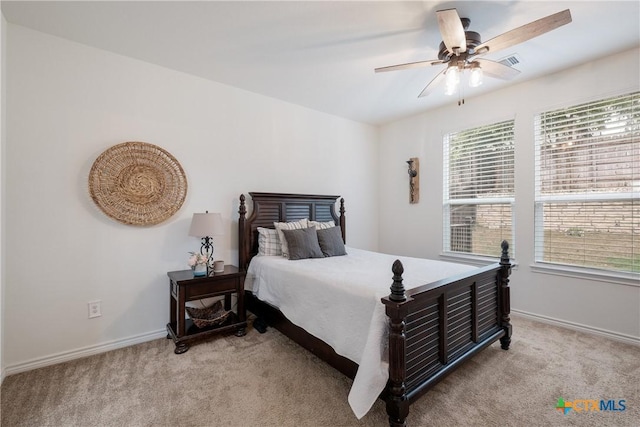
{"x": 434, "y": 328}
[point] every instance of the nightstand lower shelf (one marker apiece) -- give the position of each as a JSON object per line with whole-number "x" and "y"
{"x": 193, "y": 333}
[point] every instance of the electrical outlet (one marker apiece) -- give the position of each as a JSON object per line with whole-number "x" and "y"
{"x": 94, "y": 309}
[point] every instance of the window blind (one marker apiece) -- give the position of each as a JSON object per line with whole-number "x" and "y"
{"x": 479, "y": 189}
{"x": 588, "y": 185}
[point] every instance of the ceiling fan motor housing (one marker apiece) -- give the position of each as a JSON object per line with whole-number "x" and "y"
{"x": 473, "y": 40}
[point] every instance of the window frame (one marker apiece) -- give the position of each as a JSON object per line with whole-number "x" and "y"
{"x": 565, "y": 269}
{"x": 510, "y": 201}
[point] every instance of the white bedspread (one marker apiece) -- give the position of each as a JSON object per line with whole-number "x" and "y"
{"x": 337, "y": 299}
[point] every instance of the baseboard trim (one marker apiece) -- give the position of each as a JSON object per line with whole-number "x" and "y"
{"x": 82, "y": 352}
{"x": 162, "y": 333}
{"x": 629, "y": 339}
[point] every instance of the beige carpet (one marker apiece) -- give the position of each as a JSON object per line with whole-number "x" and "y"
{"x": 266, "y": 380}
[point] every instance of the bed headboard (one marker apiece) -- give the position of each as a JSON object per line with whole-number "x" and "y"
{"x": 279, "y": 207}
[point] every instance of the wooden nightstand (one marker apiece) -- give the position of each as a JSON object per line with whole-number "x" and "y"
{"x": 185, "y": 287}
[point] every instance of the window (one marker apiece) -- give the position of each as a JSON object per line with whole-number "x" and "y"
{"x": 588, "y": 184}
{"x": 478, "y": 189}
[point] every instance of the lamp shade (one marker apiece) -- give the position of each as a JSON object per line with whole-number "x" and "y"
{"x": 206, "y": 225}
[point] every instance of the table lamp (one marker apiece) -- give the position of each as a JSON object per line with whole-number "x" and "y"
{"x": 205, "y": 225}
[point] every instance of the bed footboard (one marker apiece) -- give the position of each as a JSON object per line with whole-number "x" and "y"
{"x": 436, "y": 327}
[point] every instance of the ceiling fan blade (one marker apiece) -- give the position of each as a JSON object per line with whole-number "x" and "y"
{"x": 452, "y": 30}
{"x": 497, "y": 70}
{"x": 408, "y": 66}
{"x": 525, "y": 32}
{"x": 432, "y": 84}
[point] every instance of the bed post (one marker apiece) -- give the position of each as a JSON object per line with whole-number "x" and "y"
{"x": 505, "y": 304}
{"x": 241, "y": 237}
{"x": 343, "y": 221}
{"x": 397, "y": 401}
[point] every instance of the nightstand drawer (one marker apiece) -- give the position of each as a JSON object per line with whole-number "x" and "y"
{"x": 205, "y": 290}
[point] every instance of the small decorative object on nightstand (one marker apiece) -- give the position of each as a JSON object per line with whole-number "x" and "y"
{"x": 199, "y": 264}
{"x": 183, "y": 287}
{"x": 218, "y": 266}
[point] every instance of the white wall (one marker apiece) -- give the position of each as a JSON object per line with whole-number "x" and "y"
{"x": 416, "y": 230}
{"x": 3, "y": 128}
{"x": 67, "y": 103}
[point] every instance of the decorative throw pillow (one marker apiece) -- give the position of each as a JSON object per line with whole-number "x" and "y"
{"x": 293, "y": 225}
{"x": 268, "y": 242}
{"x": 330, "y": 241}
{"x": 303, "y": 243}
{"x": 321, "y": 225}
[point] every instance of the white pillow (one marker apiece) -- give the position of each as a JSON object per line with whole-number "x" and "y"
{"x": 322, "y": 225}
{"x": 268, "y": 242}
{"x": 293, "y": 225}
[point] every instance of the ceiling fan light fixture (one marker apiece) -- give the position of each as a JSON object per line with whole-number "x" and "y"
{"x": 475, "y": 77}
{"x": 452, "y": 78}
{"x": 450, "y": 89}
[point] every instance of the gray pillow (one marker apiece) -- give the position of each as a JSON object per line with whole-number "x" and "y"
{"x": 303, "y": 243}
{"x": 331, "y": 243}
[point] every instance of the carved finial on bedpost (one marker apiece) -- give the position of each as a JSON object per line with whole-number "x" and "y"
{"x": 342, "y": 221}
{"x": 397, "y": 288}
{"x": 242, "y": 253}
{"x": 505, "y": 299}
{"x": 504, "y": 258}
{"x": 243, "y": 208}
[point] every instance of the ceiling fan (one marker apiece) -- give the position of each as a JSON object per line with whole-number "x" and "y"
{"x": 461, "y": 50}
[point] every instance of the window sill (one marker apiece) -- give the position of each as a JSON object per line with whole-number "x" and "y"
{"x": 621, "y": 278}
{"x": 476, "y": 260}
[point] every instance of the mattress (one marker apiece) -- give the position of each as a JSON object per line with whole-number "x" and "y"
{"x": 337, "y": 299}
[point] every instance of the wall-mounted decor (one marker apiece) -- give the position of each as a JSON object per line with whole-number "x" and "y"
{"x": 137, "y": 183}
{"x": 414, "y": 180}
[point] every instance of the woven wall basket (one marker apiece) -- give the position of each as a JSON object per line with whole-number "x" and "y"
{"x": 137, "y": 183}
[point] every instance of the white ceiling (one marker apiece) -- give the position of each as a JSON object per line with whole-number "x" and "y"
{"x": 322, "y": 54}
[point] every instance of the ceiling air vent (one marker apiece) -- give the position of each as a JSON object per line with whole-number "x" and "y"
{"x": 510, "y": 60}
